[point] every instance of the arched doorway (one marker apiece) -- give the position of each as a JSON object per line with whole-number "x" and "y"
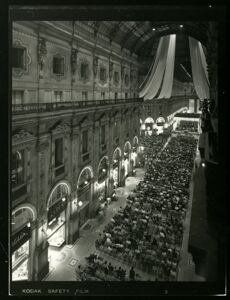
{"x": 102, "y": 184}
{"x": 127, "y": 159}
{"x": 84, "y": 194}
{"x": 22, "y": 242}
{"x": 116, "y": 166}
{"x": 160, "y": 122}
{"x": 149, "y": 122}
{"x": 135, "y": 151}
{"x": 56, "y": 220}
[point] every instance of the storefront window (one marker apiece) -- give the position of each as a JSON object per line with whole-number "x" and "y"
{"x": 20, "y": 258}
{"x": 21, "y": 271}
{"x": 84, "y": 181}
{"x": 56, "y": 216}
{"x": 103, "y": 170}
{"x": 56, "y": 231}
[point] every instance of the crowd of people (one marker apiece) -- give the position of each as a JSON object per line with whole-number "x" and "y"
{"x": 152, "y": 145}
{"x": 99, "y": 269}
{"x": 191, "y": 126}
{"x": 147, "y": 233}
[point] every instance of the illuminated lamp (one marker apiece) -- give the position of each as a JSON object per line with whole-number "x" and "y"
{"x": 63, "y": 199}
{"x": 203, "y": 164}
{"x": 104, "y": 170}
{"x": 29, "y": 225}
{"x": 154, "y": 29}
{"x": 80, "y": 203}
{"x": 86, "y": 182}
{"x": 181, "y": 26}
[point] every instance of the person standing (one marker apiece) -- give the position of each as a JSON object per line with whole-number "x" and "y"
{"x": 132, "y": 274}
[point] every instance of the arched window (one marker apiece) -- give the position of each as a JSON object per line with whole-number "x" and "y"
{"x": 17, "y": 168}
{"x": 21, "y": 217}
{"x": 103, "y": 169}
{"x": 127, "y": 149}
{"x": 135, "y": 143}
{"x": 160, "y": 121}
{"x": 59, "y": 193}
{"x": 84, "y": 180}
{"x": 116, "y": 157}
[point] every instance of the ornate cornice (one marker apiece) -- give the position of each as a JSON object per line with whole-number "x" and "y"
{"x": 21, "y": 137}
{"x": 61, "y": 128}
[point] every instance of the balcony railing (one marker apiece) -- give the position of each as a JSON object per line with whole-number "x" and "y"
{"x": 56, "y": 106}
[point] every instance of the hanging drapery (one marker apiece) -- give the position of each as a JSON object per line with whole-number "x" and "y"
{"x": 148, "y": 77}
{"x": 203, "y": 60}
{"x": 161, "y": 76}
{"x": 166, "y": 90}
{"x": 157, "y": 77}
{"x": 199, "y": 70}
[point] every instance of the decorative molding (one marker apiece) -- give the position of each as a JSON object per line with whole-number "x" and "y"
{"x": 73, "y": 62}
{"x": 18, "y": 72}
{"x": 22, "y": 136}
{"x": 95, "y": 65}
{"x": 61, "y": 128}
{"x": 42, "y": 51}
{"x": 42, "y": 146}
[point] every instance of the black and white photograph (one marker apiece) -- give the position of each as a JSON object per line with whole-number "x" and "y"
{"x": 116, "y": 184}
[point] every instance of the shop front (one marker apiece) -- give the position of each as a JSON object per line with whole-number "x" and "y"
{"x": 103, "y": 170}
{"x": 149, "y": 122}
{"x": 116, "y": 168}
{"x": 57, "y": 224}
{"x": 56, "y": 221}
{"x": 20, "y": 254}
{"x": 83, "y": 206}
{"x": 21, "y": 243}
{"x": 84, "y": 195}
{"x": 160, "y": 122}
{"x": 127, "y": 159}
{"x": 135, "y": 152}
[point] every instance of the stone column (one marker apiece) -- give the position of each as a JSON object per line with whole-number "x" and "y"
{"x": 41, "y": 250}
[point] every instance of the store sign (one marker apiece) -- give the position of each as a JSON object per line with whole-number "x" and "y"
{"x": 19, "y": 238}
{"x": 56, "y": 209}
